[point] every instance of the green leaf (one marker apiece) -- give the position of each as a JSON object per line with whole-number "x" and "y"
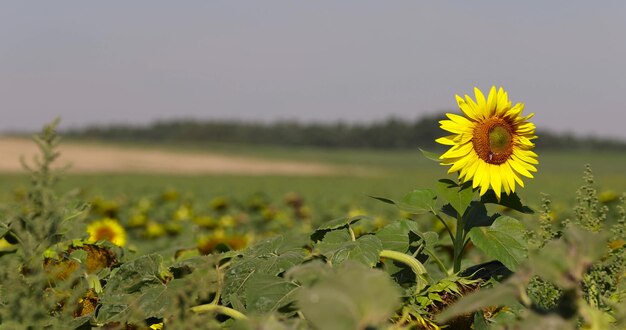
{"x": 500, "y": 295}
{"x": 511, "y": 201}
{"x": 136, "y": 283}
{"x": 269, "y": 257}
{"x": 430, "y": 239}
{"x": 365, "y": 249}
{"x": 503, "y": 240}
{"x": 476, "y": 216}
{"x": 352, "y": 296}
{"x": 308, "y": 273}
{"x": 341, "y": 222}
{"x": 430, "y": 155}
{"x": 79, "y": 255}
{"x": 336, "y": 237}
{"x": 395, "y": 236}
{"x": 268, "y": 293}
{"x": 459, "y": 196}
{"x": 4, "y": 229}
{"x": 416, "y": 202}
{"x": 133, "y": 276}
{"x": 479, "y": 321}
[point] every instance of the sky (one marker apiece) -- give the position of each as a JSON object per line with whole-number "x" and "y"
{"x": 134, "y": 62}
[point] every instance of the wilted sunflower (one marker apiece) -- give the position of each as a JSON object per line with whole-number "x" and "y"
{"x": 492, "y": 144}
{"x": 106, "y": 229}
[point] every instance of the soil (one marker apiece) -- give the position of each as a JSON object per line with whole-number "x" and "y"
{"x": 99, "y": 158}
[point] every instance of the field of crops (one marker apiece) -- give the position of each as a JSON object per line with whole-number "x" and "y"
{"x": 132, "y": 250}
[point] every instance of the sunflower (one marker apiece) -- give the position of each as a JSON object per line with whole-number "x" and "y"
{"x": 491, "y": 145}
{"x": 107, "y": 229}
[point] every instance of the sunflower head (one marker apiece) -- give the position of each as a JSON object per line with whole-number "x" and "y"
{"x": 107, "y": 229}
{"x": 491, "y": 145}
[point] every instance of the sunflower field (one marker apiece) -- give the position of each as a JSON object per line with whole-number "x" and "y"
{"x": 463, "y": 251}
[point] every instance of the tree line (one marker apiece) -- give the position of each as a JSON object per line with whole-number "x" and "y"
{"x": 392, "y": 133}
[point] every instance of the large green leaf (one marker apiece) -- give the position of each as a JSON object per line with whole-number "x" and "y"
{"x": 459, "y": 196}
{"x": 141, "y": 284}
{"x": 417, "y": 202}
{"x": 503, "y": 240}
{"x": 145, "y": 271}
{"x": 395, "y": 236}
{"x": 366, "y": 249}
{"x": 352, "y": 296}
{"x": 511, "y": 201}
{"x": 267, "y": 293}
{"x": 476, "y": 216}
{"x": 269, "y": 257}
{"x": 341, "y": 222}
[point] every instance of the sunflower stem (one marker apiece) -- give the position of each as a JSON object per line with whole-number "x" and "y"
{"x": 438, "y": 261}
{"x": 237, "y": 315}
{"x": 352, "y": 235}
{"x": 416, "y": 266}
{"x": 445, "y": 225}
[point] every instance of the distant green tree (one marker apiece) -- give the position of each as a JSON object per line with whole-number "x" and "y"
{"x": 392, "y": 133}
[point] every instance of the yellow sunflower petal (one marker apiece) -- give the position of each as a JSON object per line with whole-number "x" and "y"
{"x": 496, "y": 179}
{"x": 480, "y": 170}
{"x": 526, "y": 165}
{"x": 481, "y": 102}
{"x": 459, "y": 164}
{"x": 474, "y": 106}
{"x": 459, "y": 151}
{"x": 505, "y": 180}
{"x": 526, "y": 157}
{"x": 492, "y": 100}
{"x": 447, "y": 140}
{"x": 463, "y": 163}
{"x": 485, "y": 180}
{"x": 460, "y": 120}
{"x": 515, "y": 111}
{"x": 510, "y": 176}
{"x": 453, "y": 127}
{"x": 470, "y": 170}
{"x": 468, "y": 110}
{"x": 520, "y": 169}
{"x": 502, "y": 102}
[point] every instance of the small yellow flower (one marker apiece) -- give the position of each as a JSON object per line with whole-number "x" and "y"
{"x": 227, "y": 221}
{"x": 208, "y": 243}
{"x": 154, "y": 230}
{"x": 355, "y": 211}
{"x": 608, "y": 196}
{"x": 170, "y": 195}
{"x": 219, "y": 203}
{"x": 157, "y": 326}
{"x": 491, "y": 145}
{"x": 205, "y": 221}
{"x": 4, "y": 245}
{"x": 107, "y": 229}
{"x": 183, "y": 213}
{"x": 137, "y": 220}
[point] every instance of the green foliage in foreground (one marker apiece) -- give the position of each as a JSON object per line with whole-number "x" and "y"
{"x": 479, "y": 267}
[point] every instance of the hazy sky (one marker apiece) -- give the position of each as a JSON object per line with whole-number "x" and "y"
{"x": 138, "y": 61}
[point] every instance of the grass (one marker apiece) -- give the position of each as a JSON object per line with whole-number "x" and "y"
{"x": 397, "y": 172}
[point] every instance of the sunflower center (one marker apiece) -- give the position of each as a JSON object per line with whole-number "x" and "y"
{"x": 105, "y": 234}
{"x": 499, "y": 139}
{"x": 493, "y": 140}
